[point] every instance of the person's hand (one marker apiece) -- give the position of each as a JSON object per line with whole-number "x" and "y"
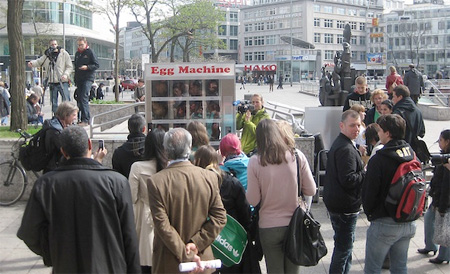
{"x": 248, "y": 116}
{"x": 362, "y": 149}
{"x": 199, "y": 267}
{"x": 84, "y": 67}
{"x": 30, "y": 65}
{"x": 447, "y": 165}
{"x": 191, "y": 247}
{"x": 64, "y": 78}
{"x": 100, "y": 154}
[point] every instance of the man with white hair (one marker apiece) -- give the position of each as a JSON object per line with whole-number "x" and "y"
{"x": 187, "y": 209}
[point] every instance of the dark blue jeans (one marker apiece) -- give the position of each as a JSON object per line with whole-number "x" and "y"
{"x": 344, "y": 225}
{"x": 56, "y": 88}
{"x": 83, "y": 100}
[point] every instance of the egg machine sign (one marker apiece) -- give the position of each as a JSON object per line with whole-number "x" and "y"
{"x": 177, "y": 71}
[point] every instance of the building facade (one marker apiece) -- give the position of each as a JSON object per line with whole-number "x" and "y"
{"x": 63, "y": 20}
{"x": 418, "y": 34}
{"x": 267, "y": 28}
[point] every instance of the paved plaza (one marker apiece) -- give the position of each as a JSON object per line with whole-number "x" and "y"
{"x": 15, "y": 257}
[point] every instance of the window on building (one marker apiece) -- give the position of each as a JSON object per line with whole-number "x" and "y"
{"x": 328, "y": 9}
{"x": 340, "y": 11}
{"x": 316, "y": 37}
{"x": 248, "y": 27}
{"x": 234, "y": 16}
{"x": 362, "y": 55}
{"x": 259, "y": 56}
{"x": 352, "y": 25}
{"x": 362, "y": 13}
{"x": 316, "y": 22}
{"x": 354, "y": 55}
{"x": 397, "y": 41}
{"x": 402, "y": 41}
{"x": 395, "y": 28}
{"x": 328, "y": 23}
{"x": 258, "y": 40}
{"x": 248, "y": 41}
{"x": 317, "y": 8}
{"x": 340, "y": 38}
{"x": 370, "y": 15}
{"x": 233, "y": 30}
{"x": 328, "y": 55}
{"x": 270, "y": 39}
{"x": 223, "y": 30}
{"x": 448, "y": 24}
{"x": 248, "y": 56}
{"x": 328, "y": 38}
{"x": 353, "y": 40}
{"x": 233, "y": 44}
{"x": 389, "y": 29}
{"x": 340, "y": 24}
{"x": 362, "y": 40}
{"x": 436, "y": 40}
{"x": 270, "y": 25}
{"x": 272, "y": 11}
{"x": 259, "y": 26}
{"x": 362, "y": 26}
{"x": 351, "y": 12}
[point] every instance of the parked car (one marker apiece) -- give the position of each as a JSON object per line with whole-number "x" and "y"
{"x": 128, "y": 84}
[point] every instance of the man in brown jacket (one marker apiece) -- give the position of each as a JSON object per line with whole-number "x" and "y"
{"x": 187, "y": 210}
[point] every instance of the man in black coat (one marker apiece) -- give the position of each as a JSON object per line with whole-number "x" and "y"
{"x": 79, "y": 218}
{"x": 407, "y": 109}
{"x": 342, "y": 190}
{"x": 133, "y": 149}
{"x": 85, "y": 66}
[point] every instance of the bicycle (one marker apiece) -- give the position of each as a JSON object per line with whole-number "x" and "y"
{"x": 13, "y": 185}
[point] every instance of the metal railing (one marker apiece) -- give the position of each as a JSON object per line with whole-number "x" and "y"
{"x": 93, "y": 125}
{"x": 292, "y": 115}
{"x": 434, "y": 94}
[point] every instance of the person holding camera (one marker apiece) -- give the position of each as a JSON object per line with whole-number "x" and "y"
{"x": 439, "y": 191}
{"x": 58, "y": 66}
{"x": 248, "y": 121}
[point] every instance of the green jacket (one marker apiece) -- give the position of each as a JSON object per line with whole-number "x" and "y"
{"x": 248, "y": 138}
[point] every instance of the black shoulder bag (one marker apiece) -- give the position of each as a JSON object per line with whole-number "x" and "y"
{"x": 303, "y": 243}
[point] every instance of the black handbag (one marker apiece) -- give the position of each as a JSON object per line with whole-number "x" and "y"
{"x": 303, "y": 243}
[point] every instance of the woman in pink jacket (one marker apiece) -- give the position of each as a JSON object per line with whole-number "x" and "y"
{"x": 272, "y": 183}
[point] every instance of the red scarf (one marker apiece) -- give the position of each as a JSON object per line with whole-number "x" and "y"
{"x": 81, "y": 50}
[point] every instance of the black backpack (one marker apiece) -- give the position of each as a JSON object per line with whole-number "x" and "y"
{"x": 406, "y": 197}
{"x": 33, "y": 155}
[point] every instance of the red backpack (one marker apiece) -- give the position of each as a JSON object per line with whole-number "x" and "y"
{"x": 406, "y": 197}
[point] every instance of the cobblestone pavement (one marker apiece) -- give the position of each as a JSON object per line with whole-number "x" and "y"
{"x": 15, "y": 257}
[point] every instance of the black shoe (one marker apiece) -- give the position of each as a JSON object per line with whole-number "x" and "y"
{"x": 426, "y": 251}
{"x": 437, "y": 261}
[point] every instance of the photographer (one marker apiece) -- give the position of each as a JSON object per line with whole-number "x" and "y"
{"x": 248, "y": 121}
{"x": 440, "y": 192}
{"x": 58, "y": 66}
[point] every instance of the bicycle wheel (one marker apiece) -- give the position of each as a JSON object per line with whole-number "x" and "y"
{"x": 12, "y": 183}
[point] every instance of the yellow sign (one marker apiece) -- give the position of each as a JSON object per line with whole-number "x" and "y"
{"x": 374, "y": 22}
{"x": 375, "y": 35}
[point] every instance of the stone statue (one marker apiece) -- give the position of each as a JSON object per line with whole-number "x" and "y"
{"x": 334, "y": 95}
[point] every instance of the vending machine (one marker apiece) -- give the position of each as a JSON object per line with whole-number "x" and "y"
{"x": 177, "y": 94}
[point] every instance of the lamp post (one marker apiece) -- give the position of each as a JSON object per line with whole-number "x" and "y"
{"x": 64, "y": 23}
{"x": 291, "y": 45}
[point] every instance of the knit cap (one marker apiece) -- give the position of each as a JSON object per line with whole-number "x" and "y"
{"x": 230, "y": 144}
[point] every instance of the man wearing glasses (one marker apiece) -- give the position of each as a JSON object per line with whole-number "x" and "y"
{"x": 85, "y": 65}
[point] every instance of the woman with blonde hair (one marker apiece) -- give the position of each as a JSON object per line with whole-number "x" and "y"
{"x": 199, "y": 136}
{"x": 272, "y": 184}
{"x": 360, "y": 141}
{"x": 374, "y": 113}
{"x": 289, "y": 139}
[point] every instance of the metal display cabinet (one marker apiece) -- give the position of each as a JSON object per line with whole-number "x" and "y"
{"x": 177, "y": 94}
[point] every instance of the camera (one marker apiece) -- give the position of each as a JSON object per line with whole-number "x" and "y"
{"x": 49, "y": 53}
{"x": 243, "y": 106}
{"x": 439, "y": 159}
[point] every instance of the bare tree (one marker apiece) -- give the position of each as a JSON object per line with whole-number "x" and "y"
{"x": 414, "y": 35}
{"x": 17, "y": 76}
{"x": 112, "y": 10}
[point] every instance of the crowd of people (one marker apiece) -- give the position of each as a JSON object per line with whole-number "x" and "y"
{"x": 166, "y": 198}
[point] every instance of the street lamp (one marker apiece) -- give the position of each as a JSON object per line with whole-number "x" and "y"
{"x": 291, "y": 46}
{"x": 64, "y": 24}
